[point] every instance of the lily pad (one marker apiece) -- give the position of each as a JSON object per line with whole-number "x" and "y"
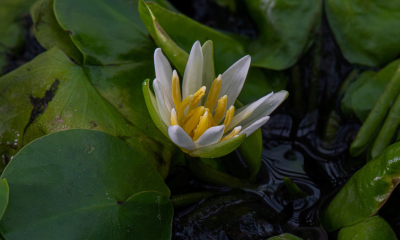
{"x": 364, "y": 30}
{"x": 91, "y": 185}
{"x": 287, "y": 27}
{"x": 51, "y": 94}
{"x": 366, "y": 191}
{"x": 369, "y": 229}
{"x": 126, "y": 41}
{"x": 48, "y": 31}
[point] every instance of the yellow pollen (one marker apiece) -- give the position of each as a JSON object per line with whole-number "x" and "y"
{"x": 182, "y": 106}
{"x": 190, "y": 114}
{"x": 202, "y": 127}
{"x": 194, "y": 120}
{"x": 211, "y": 122}
{"x": 213, "y": 94}
{"x": 196, "y": 98}
{"x": 228, "y": 117}
{"x": 176, "y": 90}
{"x": 174, "y": 119}
{"x": 221, "y": 108}
{"x": 234, "y": 132}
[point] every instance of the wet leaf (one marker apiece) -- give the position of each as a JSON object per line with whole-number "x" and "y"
{"x": 51, "y": 94}
{"x": 364, "y": 31}
{"x": 177, "y": 42}
{"x": 92, "y": 183}
{"x": 370, "y": 229}
{"x": 285, "y": 236}
{"x": 286, "y": 30}
{"x": 48, "y": 31}
{"x": 4, "y": 192}
{"x": 366, "y": 191}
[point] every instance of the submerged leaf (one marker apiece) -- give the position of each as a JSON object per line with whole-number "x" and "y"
{"x": 366, "y": 191}
{"x": 92, "y": 183}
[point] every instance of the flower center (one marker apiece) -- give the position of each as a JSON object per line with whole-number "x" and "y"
{"x": 198, "y": 119}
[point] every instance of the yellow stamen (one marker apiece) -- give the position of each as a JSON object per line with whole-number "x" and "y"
{"x": 211, "y": 122}
{"x": 190, "y": 114}
{"x": 213, "y": 94}
{"x": 182, "y": 107}
{"x": 196, "y": 98}
{"x": 194, "y": 120}
{"x": 176, "y": 90}
{"x": 221, "y": 108}
{"x": 202, "y": 127}
{"x": 234, "y": 132}
{"x": 228, "y": 117}
{"x": 174, "y": 119}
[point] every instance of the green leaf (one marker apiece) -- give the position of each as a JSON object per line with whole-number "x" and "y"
{"x": 287, "y": 27}
{"x": 51, "y": 93}
{"x": 293, "y": 189}
{"x": 364, "y": 30}
{"x": 377, "y": 115}
{"x": 49, "y": 33}
{"x": 364, "y": 97}
{"x": 285, "y": 236}
{"x": 177, "y": 42}
{"x": 4, "y": 192}
{"x": 92, "y": 183}
{"x": 366, "y": 191}
{"x": 347, "y": 100}
{"x": 218, "y": 149}
{"x": 370, "y": 229}
{"x": 127, "y": 40}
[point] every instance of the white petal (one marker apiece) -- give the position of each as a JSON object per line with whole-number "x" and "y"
{"x": 251, "y": 127}
{"x": 246, "y": 111}
{"x": 165, "y": 114}
{"x": 193, "y": 77}
{"x": 265, "y": 108}
{"x": 180, "y": 137}
{"x": 233, "y": 79}
{"x": 210, "y": 136}
{"x": 164, "y": 74}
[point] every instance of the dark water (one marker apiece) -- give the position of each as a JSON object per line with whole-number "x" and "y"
{"x": 295, "y": 145}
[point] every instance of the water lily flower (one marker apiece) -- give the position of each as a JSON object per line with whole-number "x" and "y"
{"x": 202, "y": 114}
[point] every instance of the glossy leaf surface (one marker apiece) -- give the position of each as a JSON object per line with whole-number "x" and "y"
{"x": 92, "y": 183}
{"x": 370, "y": 229}
{"x": 364, "y": 30}
{"x": 285, "y": 236}
{"x": 4, "y": 196}
{"x": 366, "y": 191}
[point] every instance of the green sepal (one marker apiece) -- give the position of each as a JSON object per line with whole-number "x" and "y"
{"x": 219, "y": 149}
{"x": 151, "y": 104}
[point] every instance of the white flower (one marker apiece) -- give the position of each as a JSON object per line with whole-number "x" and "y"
{"x": 196, "y": 119}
